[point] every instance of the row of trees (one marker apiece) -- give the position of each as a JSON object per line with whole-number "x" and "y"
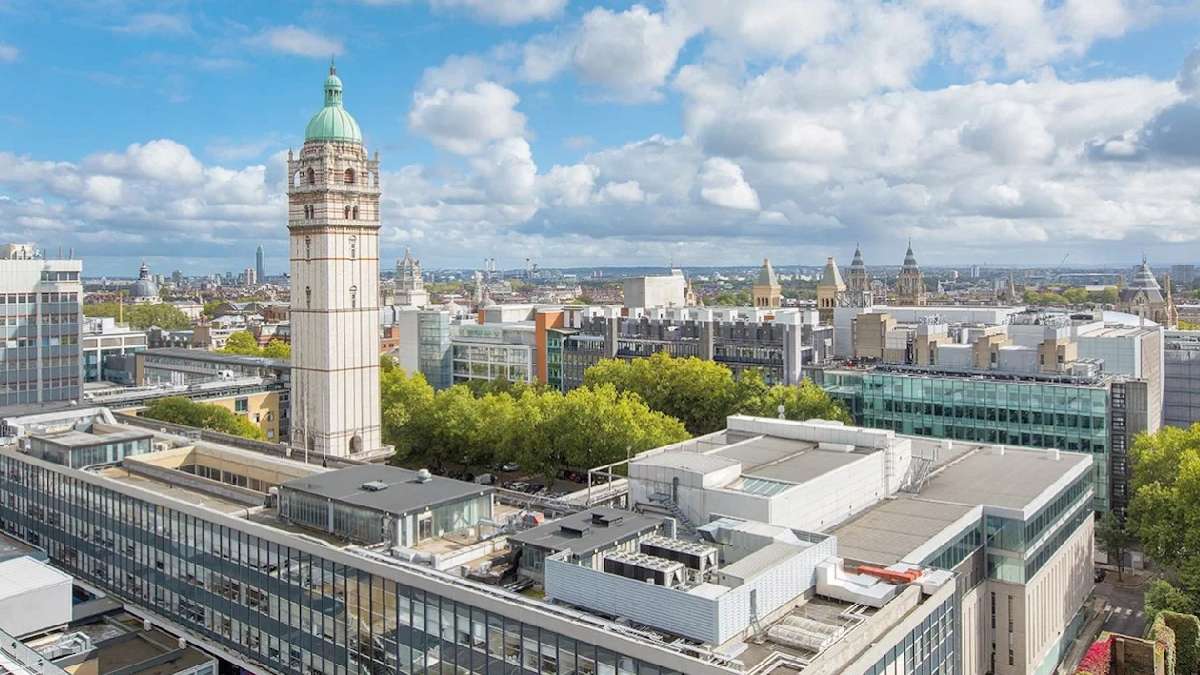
{"x": 701, "y": 394}
{"x": 180, "y": 410}
{"x": 244, "y": 343}
{"x": 541, "y": 429}
{"x": 142, "y": 317}
{"x": 1071, "y": 296}
{"x": 623, "y": 408}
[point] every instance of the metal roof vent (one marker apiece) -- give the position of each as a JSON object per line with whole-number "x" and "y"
{"x": 423, "y": 476}
{"x": 374, "y": 486}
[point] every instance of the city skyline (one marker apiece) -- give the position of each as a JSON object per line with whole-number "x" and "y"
{"x": 505, "y": 127}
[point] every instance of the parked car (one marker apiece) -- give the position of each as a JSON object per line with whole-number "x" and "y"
{"x": 510, "y": 466}
{"x": 1099, "y": 574}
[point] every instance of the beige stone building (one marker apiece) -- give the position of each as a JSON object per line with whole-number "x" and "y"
{"x": 910, "y": 284}
{"x": 766, "y": 290}
{"x": 333, "y": 224}
{"x": 1144, "y": 297}
{"x": 831, "y": 291}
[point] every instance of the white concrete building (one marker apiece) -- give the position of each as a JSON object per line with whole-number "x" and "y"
{"x": 1014, "y": 525}
{"x": 659, "y": 291}
{"x": 333, "y": 224}
{"x": 41, "y": 303}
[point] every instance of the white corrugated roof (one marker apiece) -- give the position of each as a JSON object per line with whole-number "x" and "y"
{"x": 24, "y": 574}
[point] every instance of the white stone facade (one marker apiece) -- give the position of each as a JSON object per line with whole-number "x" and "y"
{"x": 333, "y": 223}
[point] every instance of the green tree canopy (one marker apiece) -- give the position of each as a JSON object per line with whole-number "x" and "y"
{"x": 699, "y": 393}
{"x": 180, "y": 410}
{"x": 702, "y": 393}
{"x": 543, "y": 430}
{"x": 244, "y": 343}
{"x": 1161, "y": 596}
{"x": 142, "y": 317}
{"x": 1164, "y": 513}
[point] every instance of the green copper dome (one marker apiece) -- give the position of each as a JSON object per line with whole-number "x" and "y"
{"x": 333, "y": 123}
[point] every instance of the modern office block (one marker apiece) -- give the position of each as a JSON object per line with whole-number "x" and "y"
{"x": 265, "y": 561}
{"x": 1181, "y": 378}
{"x": 41, "y": 305}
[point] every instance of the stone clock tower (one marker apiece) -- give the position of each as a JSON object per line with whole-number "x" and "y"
{"x": 333, "y": 227}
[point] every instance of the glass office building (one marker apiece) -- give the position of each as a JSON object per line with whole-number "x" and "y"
{"x": 1065, "y": 416}
{"x": 287, "y": 604}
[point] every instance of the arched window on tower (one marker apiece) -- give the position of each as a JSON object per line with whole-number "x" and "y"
{"x": 349, "y": 177}
{"x": 353, "y": 247}
{"x": 307, "y": 248}
{"x": 354, "y": 297}
{"x": 347, "y": 216}
{"x": 308, "y": 297}
{"x": 312, "y": 176}
{"x": 354, "y": 213}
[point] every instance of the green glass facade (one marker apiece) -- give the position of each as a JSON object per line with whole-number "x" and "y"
{"x": 1072, "y": 417}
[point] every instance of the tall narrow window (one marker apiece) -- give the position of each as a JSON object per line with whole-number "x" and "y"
{"x": 312, "y": 176}
{"x": 307, "y": 248}
{"x": 354, "y": 297}
{"x": 354, "y": 213}
{"x": 308, "y": 296}
{"x": 347, "y": 216}
{"x": 353, "y": 247}
{"x": 349, "y": 176}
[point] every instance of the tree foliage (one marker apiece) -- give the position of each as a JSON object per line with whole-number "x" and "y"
{"x": 1074, "y": 295}
{"x": 543, "y": 430}
{"x": 1114, "y": 539}
{"x": 244, "y": 343}
{"x": 1161, "y": 596}
{"x": 141, "y": 317}
{"x": 702, "y": 393}
{"x": 1164, "y": 513}
{"x": 180, "y": 410}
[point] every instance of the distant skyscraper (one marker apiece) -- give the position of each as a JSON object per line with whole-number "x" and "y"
{"x": 333, "y": 226}
{"x": 42, "y": 302}
{"x": 260, "y": 265}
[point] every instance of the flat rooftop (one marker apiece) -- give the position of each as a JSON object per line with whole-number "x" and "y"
{"x": 216, "y": 357}
{"x": 402, "y": 492}
{"x": 621, "y": 525}
{"x": 83, "y": 439}
{"x": 193, "y": 497}
{"x": 979, "y": 476}
{"x": 788, "y": 460}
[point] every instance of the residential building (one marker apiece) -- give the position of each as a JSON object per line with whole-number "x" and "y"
{"x": 1181, "y": 378}
{"x": 102, "y": 340}
{"x": 333, "y": 229}
{"x": 656, "y": 291}
{"x": 40, "y": 300}
{"x": 778, "y": 343}
{"x": 1184, "y": 275}
{"x": 283, "y": 585}
{"x": 766, "y": 293}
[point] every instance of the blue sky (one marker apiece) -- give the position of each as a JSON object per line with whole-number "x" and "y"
{"x": 704, "y": 131}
